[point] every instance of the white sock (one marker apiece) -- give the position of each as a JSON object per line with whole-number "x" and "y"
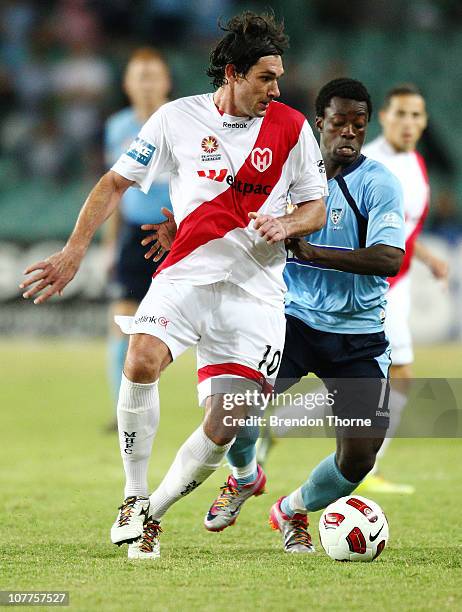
{"x": 396, "y": 404}
{"x": 138, "y": 419}
{"x": 246, "y": 471}
{"x": 196, "y": 460}
{"x": 296, "y": 503}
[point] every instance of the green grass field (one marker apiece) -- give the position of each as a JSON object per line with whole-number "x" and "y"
{"x": 62, "y": 482}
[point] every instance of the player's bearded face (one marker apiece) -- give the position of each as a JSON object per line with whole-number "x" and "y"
{"x": 343, "y": 130}
{"x": 403, "y": 121}
{"x": 254, "y": 91}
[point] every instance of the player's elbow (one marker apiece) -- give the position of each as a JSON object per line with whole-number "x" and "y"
{"x": 393, "y": 261}
{"x": 320, "y": 216}
{"x": 116, "y": 182}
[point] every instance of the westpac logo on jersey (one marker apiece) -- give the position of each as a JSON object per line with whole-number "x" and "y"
{"x": 237, "y": 185}
{"x": 261, "y": 158}
{"x": 141, "y": 151}
{"x": 214, "y": 175}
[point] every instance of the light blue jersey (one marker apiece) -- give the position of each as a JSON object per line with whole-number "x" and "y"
{"x": 136, "y": 207}
{"x": 342, "y": 302}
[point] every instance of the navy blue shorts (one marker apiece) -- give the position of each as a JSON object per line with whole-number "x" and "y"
{"x": 354, "y": 367}
{"x": 133, "y": 273}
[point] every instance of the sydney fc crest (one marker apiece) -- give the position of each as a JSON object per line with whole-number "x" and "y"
{"x": 336, "y": 215}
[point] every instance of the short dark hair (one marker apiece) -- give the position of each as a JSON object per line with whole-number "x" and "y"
{"x": 349, "y": 89}
{"x": 249, "y": 37}
{"x": 405, "y": 89}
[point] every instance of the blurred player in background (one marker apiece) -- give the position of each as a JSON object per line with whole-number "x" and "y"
{"x": 147, "y": 85}
{"x": 233, "y": 157}
{"x": 403, "y": 118}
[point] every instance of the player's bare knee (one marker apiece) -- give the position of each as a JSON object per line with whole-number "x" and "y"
{"x": 356, "y": 470}
{"x": 141, "y": 365}
{"x": 139, "y": 368}
{"x": 218, "y": 437}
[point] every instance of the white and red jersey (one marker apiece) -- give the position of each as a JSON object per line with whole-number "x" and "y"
{"x": 221, "y": 168}
{"x": 409, "y": 168}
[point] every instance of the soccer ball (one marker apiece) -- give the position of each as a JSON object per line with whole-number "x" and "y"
{"x": 353, "y": 528}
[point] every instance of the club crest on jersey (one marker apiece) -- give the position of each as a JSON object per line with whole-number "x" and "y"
{"x": 261, "y": 158}
{"x": 336, "y": 215}
{"x": 141, "y": 151}
{"x": 210, "y": 145}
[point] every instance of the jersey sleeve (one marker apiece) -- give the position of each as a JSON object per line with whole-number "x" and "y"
{"x": 385, "y": 208}
{"x": 149, "y": 155}
{"x": 310, "y": 181}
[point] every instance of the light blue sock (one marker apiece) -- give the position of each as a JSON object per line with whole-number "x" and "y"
{"x": 325, "y": 484}
{"x": 117, "y": 349}
{"x": 242, "y": 455}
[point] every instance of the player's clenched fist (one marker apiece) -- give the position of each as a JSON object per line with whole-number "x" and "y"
{"x": 53, "y": 274}
{"x": 270, "y": 228}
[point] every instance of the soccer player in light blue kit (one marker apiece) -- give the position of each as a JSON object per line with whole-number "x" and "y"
{"x": 147, "y": 85}
{"x": 335, "y": 313}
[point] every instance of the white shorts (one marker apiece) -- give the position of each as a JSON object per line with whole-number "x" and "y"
{"x": 397, "y": 326}
{"x": 239, "y": 338}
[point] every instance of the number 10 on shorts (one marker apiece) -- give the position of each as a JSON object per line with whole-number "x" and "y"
{"x": 270, "y": 361}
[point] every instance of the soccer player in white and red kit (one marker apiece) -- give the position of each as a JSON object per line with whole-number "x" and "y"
{"x": 403, "y": 118}
{"x": 234, "y": 158}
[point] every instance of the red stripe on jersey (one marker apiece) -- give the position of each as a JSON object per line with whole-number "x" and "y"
{"x": 233, "y": 369}
{"x": 280, "y": 131}
{"x": 410, "y": 240}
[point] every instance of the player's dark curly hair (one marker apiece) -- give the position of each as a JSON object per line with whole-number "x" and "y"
{"x": 349, "y": 89}
{"x": 249, "y": 37}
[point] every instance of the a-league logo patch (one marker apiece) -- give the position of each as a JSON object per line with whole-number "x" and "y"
{"x": 261, "y": 158}
{"x": 336, "y": 215}
{"x": 141, "y": 151}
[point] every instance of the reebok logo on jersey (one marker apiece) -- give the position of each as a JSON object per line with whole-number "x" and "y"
{"x": 321, "y": 166}
{"x": 235, "y": 125}
{"x": 141, "y": 151}
{"x": 261, "y": 158}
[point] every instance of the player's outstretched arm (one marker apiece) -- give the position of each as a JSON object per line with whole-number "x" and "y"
{"x": 54, "y": 273}
{"x": 309, "y": 217}
{"x": 162, "y": 237}
{"x": 376, "y": 260}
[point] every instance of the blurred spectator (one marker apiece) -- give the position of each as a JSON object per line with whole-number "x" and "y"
{"x": 48, "y": 154}
{"x": 81, "y": 83}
